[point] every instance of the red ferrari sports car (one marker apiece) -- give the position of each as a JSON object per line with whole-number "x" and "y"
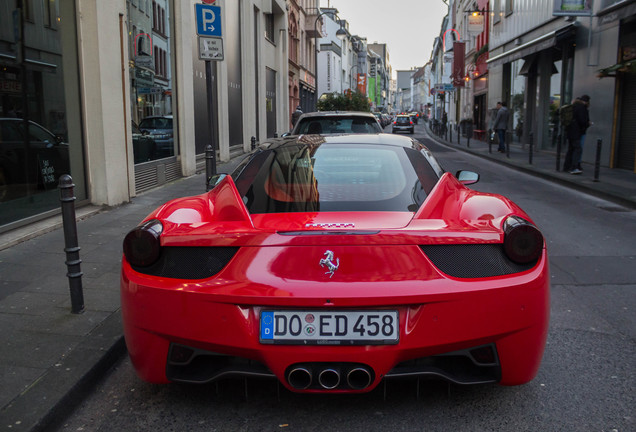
{"x": 332, "y": 263}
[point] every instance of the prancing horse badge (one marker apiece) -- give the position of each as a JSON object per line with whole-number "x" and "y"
{"x": 327, "y": 261}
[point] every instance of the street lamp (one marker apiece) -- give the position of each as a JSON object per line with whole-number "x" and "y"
{"x": 341, "y": 34}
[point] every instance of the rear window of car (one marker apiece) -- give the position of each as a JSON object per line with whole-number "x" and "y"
{"x": 404, "y": 119}
{"x": 337, "y": 125}
{"x": 336, "y": 177}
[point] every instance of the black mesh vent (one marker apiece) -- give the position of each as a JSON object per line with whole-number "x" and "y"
{"x": 473, "y": 260}
{"x": 189, "y": 262}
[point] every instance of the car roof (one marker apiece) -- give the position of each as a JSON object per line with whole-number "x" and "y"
{"x": 371, "y": 139}
{"x": 337, "y": 114}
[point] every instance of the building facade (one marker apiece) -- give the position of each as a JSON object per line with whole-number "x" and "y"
{"x": 88, "y": 74}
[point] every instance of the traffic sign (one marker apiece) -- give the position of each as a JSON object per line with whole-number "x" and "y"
{"x": 210, "y": 48}
{"x": 208, "y": 20}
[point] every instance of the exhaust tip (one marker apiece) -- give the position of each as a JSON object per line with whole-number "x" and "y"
{"x": 299, "y": 378}
{"x": 359, "y": 378}
{"x": 329, "y": 378}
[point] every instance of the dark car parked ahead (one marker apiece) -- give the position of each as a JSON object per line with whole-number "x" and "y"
{"x": 403, "y": 123}
{"x": 336, "y": 122}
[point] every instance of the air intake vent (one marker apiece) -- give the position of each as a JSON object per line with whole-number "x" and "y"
{"x": 189, "y": 262}
{"x": 473, "y": 261}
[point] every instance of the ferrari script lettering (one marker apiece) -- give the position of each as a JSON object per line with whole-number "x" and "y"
{"x": 330, "y": 225}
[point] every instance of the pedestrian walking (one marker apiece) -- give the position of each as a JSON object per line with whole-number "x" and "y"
{"x": 575, "y": 131}
{"x": 296, "y": 115}
{"x": 586, "y": 101}
{"x": 501, "y": 125}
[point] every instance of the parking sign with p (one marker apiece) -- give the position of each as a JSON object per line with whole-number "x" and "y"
{"x": 208, "y": 20}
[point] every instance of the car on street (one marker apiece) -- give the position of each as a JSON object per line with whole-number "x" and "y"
{"x": 160, "y": 129}
{"x": 331, "y": 264}
{"x": 403, "y": 123}
{"x": 337, "y": 122}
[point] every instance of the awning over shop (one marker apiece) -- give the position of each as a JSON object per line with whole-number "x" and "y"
{"x": 541, "y": 43}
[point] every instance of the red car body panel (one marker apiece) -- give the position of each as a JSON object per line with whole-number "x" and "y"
{"x": 381, "y": 266}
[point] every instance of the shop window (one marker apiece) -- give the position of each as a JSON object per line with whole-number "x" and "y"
{"x": 152, "y": 103}
{"x": 517, "y": 96}
{"x": 38, "y": 102}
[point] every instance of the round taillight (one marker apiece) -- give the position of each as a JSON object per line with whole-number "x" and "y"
{"x": 142, "y": 245}
{"x": 523, "y": 242}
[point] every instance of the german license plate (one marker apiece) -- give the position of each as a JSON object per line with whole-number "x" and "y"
{"x": 375, "y": 327}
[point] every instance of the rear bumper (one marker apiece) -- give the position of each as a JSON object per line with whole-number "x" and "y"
{"x": 403, "y": 128}
{"x": 509, "y": 313}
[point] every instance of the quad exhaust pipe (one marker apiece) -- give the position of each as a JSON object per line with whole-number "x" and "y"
{"x": 359, "y": 378}
{"x": 299, "y": 378}
{"x": 329, "y": 376}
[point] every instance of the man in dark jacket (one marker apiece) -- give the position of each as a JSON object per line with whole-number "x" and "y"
{"x": 575, "y": 130}
{"x": 501, "y": 124}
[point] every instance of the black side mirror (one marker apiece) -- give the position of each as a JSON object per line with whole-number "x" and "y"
{"x": 467, "y": 177}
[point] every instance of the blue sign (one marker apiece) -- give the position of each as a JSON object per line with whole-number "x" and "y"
{"x": 208, "y": 19}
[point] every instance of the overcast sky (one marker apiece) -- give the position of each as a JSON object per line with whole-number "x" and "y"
{"x": 408, "y": 27}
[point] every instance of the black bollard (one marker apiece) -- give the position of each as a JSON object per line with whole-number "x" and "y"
{"x": 490, "y": 132}
{"x": 458, "y": 134}
{"x": 73, "y": 261}
{"x": 210, "y": 165}
{"x": 597, "y": 163}
{"x": 450, "y": 134}
{"x": 253, "y": 141}
{"x": 530, "y": 153}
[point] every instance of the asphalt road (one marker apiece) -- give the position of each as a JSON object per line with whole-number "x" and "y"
{"x": 587, "y": 380}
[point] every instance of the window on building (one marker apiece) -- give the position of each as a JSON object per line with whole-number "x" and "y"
{"x": 496, "y": 11}
{"x": 269, "y": 27}
{"x": 50, "y": 13}
{"x": 509, "y": 7}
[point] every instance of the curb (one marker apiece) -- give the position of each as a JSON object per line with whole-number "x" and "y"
{"x": 73, "y": 378}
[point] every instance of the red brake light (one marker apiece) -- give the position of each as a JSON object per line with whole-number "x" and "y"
{"x": 523, "y": 242}
{"x": 411, "y": 121}
{"x": 142, "y": 245}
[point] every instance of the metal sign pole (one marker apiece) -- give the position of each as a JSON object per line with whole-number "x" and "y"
{"x": 208, "y": 84}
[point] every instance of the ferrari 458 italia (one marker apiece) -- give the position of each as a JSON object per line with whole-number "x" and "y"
{"x": 332, "y": 263}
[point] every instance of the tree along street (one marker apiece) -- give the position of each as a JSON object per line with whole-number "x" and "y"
{"x": 586, "y": 380}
